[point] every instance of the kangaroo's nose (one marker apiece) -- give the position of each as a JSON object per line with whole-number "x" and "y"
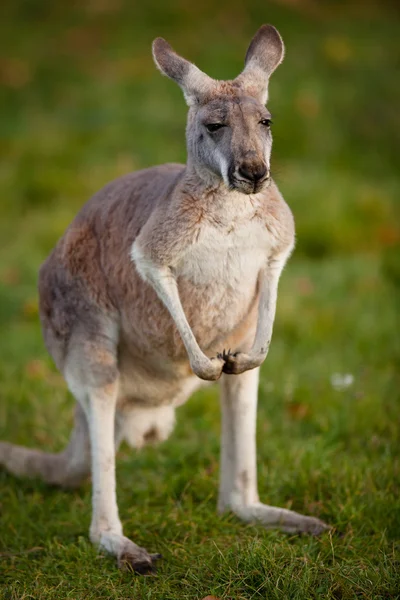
{"x": 252, "y": 172}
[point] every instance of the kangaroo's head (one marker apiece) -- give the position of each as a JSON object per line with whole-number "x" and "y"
{"x": 228, "y": 131}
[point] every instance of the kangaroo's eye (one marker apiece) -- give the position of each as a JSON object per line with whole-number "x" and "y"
{"x": 266, "y": 122}
{"x": 211, "y": 127}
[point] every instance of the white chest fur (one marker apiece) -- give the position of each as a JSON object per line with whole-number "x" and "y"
{"x": 231, "y": 255}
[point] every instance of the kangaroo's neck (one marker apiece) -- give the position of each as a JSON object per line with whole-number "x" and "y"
{"x": 199, "y": 189}
{"x": 200, "y": 179}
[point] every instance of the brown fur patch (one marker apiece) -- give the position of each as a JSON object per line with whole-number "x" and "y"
{"x": 151, "y": 436}
{"x": 98, "y": 354}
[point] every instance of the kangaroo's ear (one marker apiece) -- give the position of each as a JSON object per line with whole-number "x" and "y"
{"x": 265, "y": 53}
{"x": 195, "y": 84}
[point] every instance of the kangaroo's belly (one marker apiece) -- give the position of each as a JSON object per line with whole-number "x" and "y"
{"x": 153, "y": 362}
{"x": 219, "y": 316}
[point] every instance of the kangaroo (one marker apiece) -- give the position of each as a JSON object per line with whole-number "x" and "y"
{"x": 166, "y": 280}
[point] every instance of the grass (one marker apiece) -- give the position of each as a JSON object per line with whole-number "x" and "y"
{"x": 83, "y": 104}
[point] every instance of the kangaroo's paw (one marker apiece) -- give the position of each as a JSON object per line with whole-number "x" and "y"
{"x": 128, "y": 554}
{"x": 209, "y": 369}
{"x": 239, "y": 362}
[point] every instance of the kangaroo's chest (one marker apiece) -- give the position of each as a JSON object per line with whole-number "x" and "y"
{"x": 230, "y": 256}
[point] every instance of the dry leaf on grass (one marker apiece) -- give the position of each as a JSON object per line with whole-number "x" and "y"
{"x": 36, "y": 369}
{"x": 298, "y": 410}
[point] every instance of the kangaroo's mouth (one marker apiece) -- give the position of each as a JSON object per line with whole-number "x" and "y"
{"x": 249, "y": 187}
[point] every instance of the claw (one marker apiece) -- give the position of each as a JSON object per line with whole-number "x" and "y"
{"x": 142, "y": 566}
{"x": 226, "y": 354}
{"x": 155, "y": 557}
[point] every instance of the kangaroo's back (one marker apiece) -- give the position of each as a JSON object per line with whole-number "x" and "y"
{"x": 78, "y": 277}
{"x": 114, "y": 216}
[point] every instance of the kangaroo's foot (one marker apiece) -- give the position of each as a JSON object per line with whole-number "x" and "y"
{"x": 272, "y": 517}
{"x": 128, "y": 554}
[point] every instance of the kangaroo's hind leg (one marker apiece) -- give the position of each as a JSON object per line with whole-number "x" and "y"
{"x": 68, "y": 468}
{"x": 91, "y": 371}
{"x": 238, "y": 484}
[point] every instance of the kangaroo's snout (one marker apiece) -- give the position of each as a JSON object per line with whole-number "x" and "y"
{"x": 250, "y": 175}
{"x": 253, "y": 172}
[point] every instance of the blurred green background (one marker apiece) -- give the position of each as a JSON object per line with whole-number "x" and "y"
{"x": 81, "y": 104}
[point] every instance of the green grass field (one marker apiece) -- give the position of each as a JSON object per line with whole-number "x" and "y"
{"x": 82, "y": 104}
